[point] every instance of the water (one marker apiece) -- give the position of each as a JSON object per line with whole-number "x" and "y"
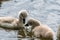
{"x": 46, "y": 11}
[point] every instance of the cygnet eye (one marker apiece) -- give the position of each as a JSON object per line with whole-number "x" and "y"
{"x": 21, "y": 14}
{"x": 30, "y": 23}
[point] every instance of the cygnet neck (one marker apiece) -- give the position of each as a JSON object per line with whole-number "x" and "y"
{"x": 21, "y": 19}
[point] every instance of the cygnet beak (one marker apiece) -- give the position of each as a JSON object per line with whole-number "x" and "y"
{"x": 23, "y": 21}
{"x": 26, "y": 25}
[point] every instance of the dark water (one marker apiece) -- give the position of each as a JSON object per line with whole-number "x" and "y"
{"x": 46, "y": 11}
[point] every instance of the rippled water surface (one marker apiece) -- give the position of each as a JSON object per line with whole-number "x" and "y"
{"x": 46, "y": 11}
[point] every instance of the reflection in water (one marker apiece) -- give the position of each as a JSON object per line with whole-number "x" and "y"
{"x": 2, "y": 1}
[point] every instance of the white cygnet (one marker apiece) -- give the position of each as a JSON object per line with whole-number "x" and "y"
{"x": 14, "y": 23}
{"x": 40, "y": 30}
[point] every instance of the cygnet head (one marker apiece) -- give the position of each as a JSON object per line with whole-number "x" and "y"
{"x": 23, "y": 15}
{"x": 33, "y": 23}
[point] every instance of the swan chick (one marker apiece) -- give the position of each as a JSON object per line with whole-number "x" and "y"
{"x": 40, "y": 30}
